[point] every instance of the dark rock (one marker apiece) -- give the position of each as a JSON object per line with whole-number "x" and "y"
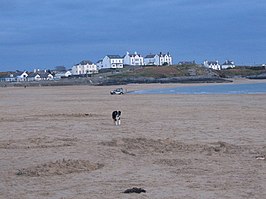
{"x": 135, "y": 190}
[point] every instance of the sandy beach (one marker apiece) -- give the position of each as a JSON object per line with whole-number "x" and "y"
{"x": 60, "y": 142}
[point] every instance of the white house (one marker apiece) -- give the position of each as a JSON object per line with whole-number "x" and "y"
{"x": 133, "y": 59}
{"x": 21, "y": 76}
{"x": 40, "y": 76}
{"x": 84, "y": 67}
{"x": 228, "y": 64}
{"x": 212, "y": 64}
{"x": 46, "y": 76}
{"x": 165, "y": 59}
{"x": 99, "y": 64}
{"x": 62, "y": 74}
{"x": 33, "y": 77}
{"x": 112, "y": 61}
{"x": 151, "y": 59}
{"x": 158, "y": 59}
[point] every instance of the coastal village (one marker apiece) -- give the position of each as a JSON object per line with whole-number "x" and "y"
{"x": 87, "y": 68}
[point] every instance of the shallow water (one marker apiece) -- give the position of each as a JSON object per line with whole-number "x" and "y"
{"x": 256, "y": 88}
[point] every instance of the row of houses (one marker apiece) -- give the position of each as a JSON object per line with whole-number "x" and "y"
{"x": 135, "y": 59}
{"x": 86, "y": 67}
{"x": 217, "y": 66}
{"x": 20, "y": 76}
{"x": 117, "y": 61}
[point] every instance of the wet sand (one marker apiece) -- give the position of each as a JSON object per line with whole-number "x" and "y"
{"x": 60, "y": 142}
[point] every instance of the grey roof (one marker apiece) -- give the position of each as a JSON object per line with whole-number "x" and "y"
{"x": 44, "y": 75}
{"x": 163, "y": 55}
{"x": 187, "y": 62}
{"x": 85, "y": 62}
{"x": 18, "y": 73}
{"x": 213, "y": 62}
{"x": 32, "y": 75}
{"x": 150, "y": 56}
{"x": 133, "y": 55}
{"x": 227, "y": 62}
{"x": 114, "y": 56}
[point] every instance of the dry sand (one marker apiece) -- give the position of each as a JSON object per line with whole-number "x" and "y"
{"x": 60, "y": 142}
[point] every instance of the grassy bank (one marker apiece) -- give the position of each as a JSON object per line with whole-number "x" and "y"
{"x": 165, "y": 72}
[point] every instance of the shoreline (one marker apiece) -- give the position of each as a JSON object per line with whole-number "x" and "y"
{"x": 146, "y": 85}
{"x": 173, "y": 85}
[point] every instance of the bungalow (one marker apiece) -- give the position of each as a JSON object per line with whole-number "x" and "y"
{"x": 112, "y": 61}
{"x": 212, "y": 64}
{"x": 158, "y": 59}
{"x": 33, "y": 77}
{"x": 46, "y": 76}
{"x": 228, "y": 64}
{"x": 39, "y": 76}
{"x": 20, "y": 76}
{"x": 62, "y": 74}
{"x": 133, "y": 59}
{"x": 84, "y": 67}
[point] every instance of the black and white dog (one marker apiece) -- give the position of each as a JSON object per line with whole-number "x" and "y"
{"x": 116, "y": 117}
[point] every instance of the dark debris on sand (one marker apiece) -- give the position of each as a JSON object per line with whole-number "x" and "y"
{"x": 135, "y": 190}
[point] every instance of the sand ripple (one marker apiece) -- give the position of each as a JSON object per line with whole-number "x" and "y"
{"x": 144, "y": 145}
{"x": 59, "y": 167}
{"x": 31, "y": 143}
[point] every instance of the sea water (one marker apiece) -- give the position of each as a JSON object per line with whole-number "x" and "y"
{"x": 253, "y": 88}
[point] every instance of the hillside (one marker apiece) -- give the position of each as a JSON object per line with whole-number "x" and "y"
{"x": 153, "y": 74}
{"x": 175, "y": 74}
{"x": 248, "y": 72}
{"x": 165, "y": 72}
{"x": 158, "y": 74}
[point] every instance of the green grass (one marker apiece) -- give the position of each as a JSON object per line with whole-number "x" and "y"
{"x": 185, "y": 71}
{"x": 241, "y": 71}
{"x": 163, "y": 71}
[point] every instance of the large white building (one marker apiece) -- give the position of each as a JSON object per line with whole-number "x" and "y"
{"x": 84, "y": 67}
{"x": 111, "y": 61}
{"x": 212, "y": 64}
{"x": 165, "y": 59}
{"x": 133, "y": 59}
{"x": 158, "y": 59}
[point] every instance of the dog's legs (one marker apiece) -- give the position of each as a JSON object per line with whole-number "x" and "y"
{"x": 119, "y": 122}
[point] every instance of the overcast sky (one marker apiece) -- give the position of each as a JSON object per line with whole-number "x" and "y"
{"x": 48, "y": 33}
